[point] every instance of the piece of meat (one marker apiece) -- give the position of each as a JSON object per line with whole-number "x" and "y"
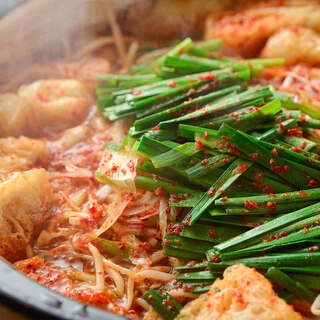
{"x": 248, "y": 30}
{"x": 243, "y": 294}
{"x": 21, "y": 154}
{"x": 294, "y": 45}
{"x": 24, "y": 200}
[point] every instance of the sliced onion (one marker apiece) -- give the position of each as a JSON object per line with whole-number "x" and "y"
{"x": 315, "y": 308}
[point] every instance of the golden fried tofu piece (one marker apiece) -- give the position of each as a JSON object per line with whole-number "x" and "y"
{"x": 45, "y": 106}
{"x": 294, "y": 45}
{"x": 55, "y": 104}
{"x": 12, "y": 115}
{"x": 243, "y": 294}
{"x": 24, "y": 200}
{"x": 21, "y": 154}
{"x": 248, "y": 30}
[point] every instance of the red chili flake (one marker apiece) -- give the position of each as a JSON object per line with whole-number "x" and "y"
{"x": 268, "y": 189}
{"x": 312, "y": 249}
{"x": 131, "y": 166}
{"x": 166, "y": 242}
{"x": 313, "y": 183}
{"x": 302, "y": 194}
{"x": 225, "y": 138}
{"x": 239, "y": 298}
{"x": 204, "y": 161}
{"x": 150, "y": 298}
{"x": 175, "y": 228}
{"x": 212, "y": 233}
{"x": 255, "y": 185}
{"x": 278, "y": 120}
{"x": 199, "y": 144}
{"x": 114, "y": 168}
{"x": 123, "y": 170}
{"x": 189, "y": 287}
{"x": 294, "y": 132}
{"x": 277, "y": 169}
{"x": 286, "y": 168}
{"x": 145, "y": 245}
{"x": 272, "y": 162}
{"x": 172, "y": 84}
{"x": 276, "y": 236}
{"x": 215, "y": 258}
{"x": 303, "y": 144}
{"x": 254, "y": 156}
{"x": 207, "y": 76}
{"x": 92, "y": 208}
{"x": 260, "y": 176}
{"x": 288, "y": 116}
{"x": 239, "y": 169}
{"x": 160, "y": 192}
{"x": 122, "y": 246}
{"x": 233, "y": 150}
{"x": 181, "y": 50}
{"x": 225, "y": 198}
{"x": 294, "y": 149}
{"x": 156, "y": 128}
{"x": 274, "y": 152}
{"x": 206, "y": 135}
{"x": 272, "y": 205}
{"x": 251, "y": 205}
{"x": 306, "y": 229}
{"x": 211, "y": 192}
{"x": 177, "y": 197}
{"x": 137, "y": 93}
{"x": 187, "y": 221}
{"x": 282, "y": 128}
{"x": 303, "y": 118}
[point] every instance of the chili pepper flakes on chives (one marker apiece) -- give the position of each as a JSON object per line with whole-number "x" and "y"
{"x": 244, "y": 170}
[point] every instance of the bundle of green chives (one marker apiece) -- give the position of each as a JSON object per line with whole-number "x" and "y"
{"x": 240, "y": 163}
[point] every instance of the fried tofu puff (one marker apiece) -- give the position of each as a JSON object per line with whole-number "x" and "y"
{"x": 243, "y": 294}
{"x": 24, "y": 200}
{"x": 55, "y": 104}
{"x": 44, "y": 106}
{"x": 294, "y": 45}
{"x": 21, "y": 154}
{"x": 12, "y": 115}
{"x": 247, "y": 31}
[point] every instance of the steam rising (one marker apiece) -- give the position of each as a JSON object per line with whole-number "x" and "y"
{"x": 46, "y": 29}
{"x": 42, "y": 30}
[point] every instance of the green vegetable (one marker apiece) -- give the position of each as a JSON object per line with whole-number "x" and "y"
{"x": 297, "y": 288}
{"x": 165, "y": 305}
